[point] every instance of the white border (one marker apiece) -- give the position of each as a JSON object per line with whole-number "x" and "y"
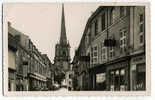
{"x": 86, "y": 93}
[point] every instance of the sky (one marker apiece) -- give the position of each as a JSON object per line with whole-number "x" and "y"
{"x": 42, "y": 22}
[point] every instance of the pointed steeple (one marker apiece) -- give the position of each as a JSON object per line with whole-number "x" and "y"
{"x": 63, "y": 38}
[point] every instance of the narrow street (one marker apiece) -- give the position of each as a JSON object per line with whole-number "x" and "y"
{"x": 62, "y": 89}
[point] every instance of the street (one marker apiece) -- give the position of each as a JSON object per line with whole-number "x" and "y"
{"x": 62, "y": 89}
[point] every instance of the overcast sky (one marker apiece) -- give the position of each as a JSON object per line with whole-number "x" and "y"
{"x": 42, "y": 23}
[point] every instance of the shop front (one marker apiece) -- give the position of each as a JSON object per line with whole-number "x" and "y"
{"x": 138, "y": 73}
{"x": 12, "y": 80}
{"x": 118, "y": 76}
{"x": 37, "y": 83}
{"x": 117, "y": 80}
{"x": 19, "y": 83}
{"x": 97, "y": 78}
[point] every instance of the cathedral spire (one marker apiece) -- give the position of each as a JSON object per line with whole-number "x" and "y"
{"x": 63, "y": 38}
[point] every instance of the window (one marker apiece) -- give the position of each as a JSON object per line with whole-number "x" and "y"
{"x": 111, "y": 52}
{"x": 103, "y": 52}
{"x": 112, "y": 74}
{"x": 9, "y": 85}
{"x": 141, "y": 38}
{"x": 96, "y": 27}
{"x": 95, "y": 48}
{"x": 139, "y": 77}
{"x": 87, "y": 39}
{"x": 141, "y": 28}
{"x": 117, "y": 80}
{"x": 64, "y": 53}
{"x": 141, "y": 18}
{"x": 123, "y": 40}
{"x": 69, "y": 75}
{"x": 94, "y": 55}
{"x": 91, "y": 55}
{"x": 112, "y": 15}
{"x": 69, "y": 82}
{"x": 95, "y": 60}
{"x": 122, "y": 11}
{"x": 103, "y": 22}
{"x": 122, "y": 76}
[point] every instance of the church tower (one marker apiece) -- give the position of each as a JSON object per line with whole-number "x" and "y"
{"x": 62, "y": 49}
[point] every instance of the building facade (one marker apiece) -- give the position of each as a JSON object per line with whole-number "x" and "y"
{"x": 12, "y": 48}
{"x": 49, "y": 72}
{"x": 114, "y": 39}
{"x": 138, "y": 57}
{"x": 33, "y": 69}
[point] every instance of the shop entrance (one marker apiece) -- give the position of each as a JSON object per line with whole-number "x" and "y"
{"x": 141, "y": 77}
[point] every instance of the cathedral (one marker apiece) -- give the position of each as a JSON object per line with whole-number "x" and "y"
{"x": 62, "y": 49}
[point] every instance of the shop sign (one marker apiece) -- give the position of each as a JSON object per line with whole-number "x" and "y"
{"x": 138, "y": 59}
{"x": 100, "y": 78}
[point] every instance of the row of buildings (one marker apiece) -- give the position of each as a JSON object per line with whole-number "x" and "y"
{"x": 28, "y": 68}
{"x": 111, "y": 53}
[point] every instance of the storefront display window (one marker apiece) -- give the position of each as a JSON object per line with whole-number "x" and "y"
{"x": 141, "y": 79}
{"x": 138, "y": 77}
{"x": 117, "y": 80}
